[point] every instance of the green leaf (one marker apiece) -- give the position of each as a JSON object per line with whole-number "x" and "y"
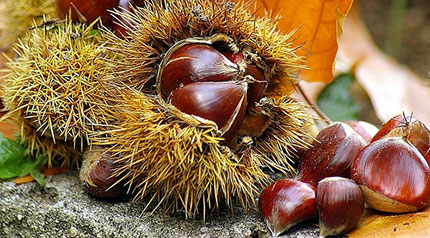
{"x": 35, "y": 172}
{"x": 15, "y": 163}
{"x": 335, "y": 99}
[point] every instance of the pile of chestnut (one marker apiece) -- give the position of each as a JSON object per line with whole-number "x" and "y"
{"x": 350, "y": 164}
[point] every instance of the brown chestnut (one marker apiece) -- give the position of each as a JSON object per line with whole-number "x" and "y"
{"x": 221, "y": 102}
{"x": 286, "y": 203}
{"x": 393, "y": 176}
{"x": 419, "y": 135}
{"x": 120, "y": 26}
{"x": 196, "y": 63}
{"x": 211, "y": 79}
{"x": 97, "y": 174}
{"x": 398, "y": 121}
{"x": 410, "y": 129}
{"x": 340, "y": 205}
{"x": 331, "y": 154}
{"x": 87, "y": 10}
{"x": 364, "y": 129}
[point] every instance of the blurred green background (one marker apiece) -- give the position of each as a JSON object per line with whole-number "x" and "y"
{"x": 402, "y": 29}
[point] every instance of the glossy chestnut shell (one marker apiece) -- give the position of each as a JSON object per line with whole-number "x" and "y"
{"x": 410, "y": 129}
{"x": 88, "y": 10}
{"x": 203, "y": 79}
{"x": 419, "y": 135}
{"x": 340, "y": 205}
{"x": 286, "y": 203}
{"x": 331, "y": 154}
{"x": 364, "y": 129}
{"x": 97, "y": 174}
{"x": 393, "y": 175}
{"x": 399, "y": 121}
{"x": 196, "y": 63}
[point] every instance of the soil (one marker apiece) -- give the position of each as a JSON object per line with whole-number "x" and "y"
{"x": 62, "y": 209}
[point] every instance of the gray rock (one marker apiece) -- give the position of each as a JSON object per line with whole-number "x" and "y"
{"x": 63, "y": 209}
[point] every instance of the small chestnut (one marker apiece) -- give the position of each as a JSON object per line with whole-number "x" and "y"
{"x": 331, "y": 154}
{"x": 393, "y": 176}
{"x": 87, "y": 10}
{"x": 340, "y": 205}
{"x": 286, "y": 203}
{"x": 97, "y": 174}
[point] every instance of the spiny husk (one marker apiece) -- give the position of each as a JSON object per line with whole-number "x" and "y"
{"x": 54, "y": 87}
{"x": 186, "y": 166}
{"x": 174, "y": 162}
{"x": 155, "y": 28}
{"x": 286, "y": 134}
{"x": 19, "y": 15}
{"x": 182, "y": 166}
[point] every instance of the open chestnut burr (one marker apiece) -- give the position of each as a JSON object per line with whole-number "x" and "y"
{"x": 213, "y": 82}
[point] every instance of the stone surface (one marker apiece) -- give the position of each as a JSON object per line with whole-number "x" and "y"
{"x": 63, "y": 209}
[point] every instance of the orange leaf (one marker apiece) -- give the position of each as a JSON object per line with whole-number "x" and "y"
{"x": 47, "y": 172}
{"x": 25, "y": 179}
{"x": 319, "y": 24}
{"x": 376, "y": 224}
{"x": 54, "y": 170}
{"x": 7, "y": 129}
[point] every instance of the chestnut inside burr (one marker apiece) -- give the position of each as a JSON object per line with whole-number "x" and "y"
{"x": 211, "y": 79}
{"x": 87, "y": 10}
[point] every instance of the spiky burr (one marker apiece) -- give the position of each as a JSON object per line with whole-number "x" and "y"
{"x": 54, "y": 86}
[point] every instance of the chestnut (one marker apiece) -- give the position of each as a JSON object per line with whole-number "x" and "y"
{"x": 223, "y": 103}
{"x": 419, "y": 135}
{"x": 196, "y": 63}
{"x": 398, "y": 121}
{"x": 87, "y": 10}
{"x": 340, "y": 205}
{"x": 364, "y": 129}
{"x": 331, "y": 154}
{"x": 213, "y": 80}
{"x": 410, "y": 129}
{"x": 97, "y": 174}
{"x": 120, "y": 26}
{"x": 393, "y": 176}
{"x": 286, "y": 203}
